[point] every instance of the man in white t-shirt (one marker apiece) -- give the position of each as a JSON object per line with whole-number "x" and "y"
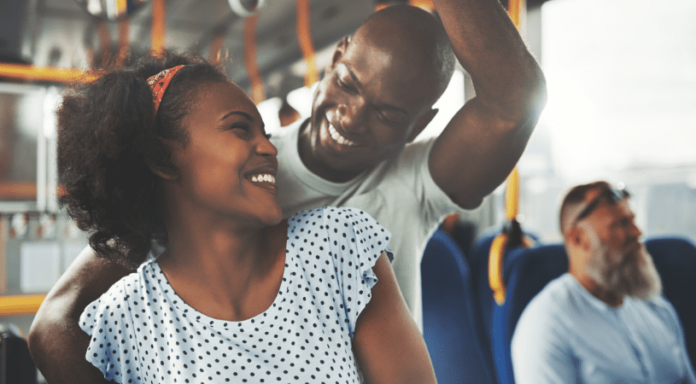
{"x": 357, "y": 147}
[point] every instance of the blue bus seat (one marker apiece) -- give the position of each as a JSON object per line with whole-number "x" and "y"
{"x": 478, "y": 262}
{"x": 526, "y": 272}
{"x": 464, "y": 234}
{"x": 482, "y": 289}
{"x": 451, "y": 329}
{"x": 675, "y": 260}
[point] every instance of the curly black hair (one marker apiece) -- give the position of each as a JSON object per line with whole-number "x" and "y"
{"x": 108, "y": 134}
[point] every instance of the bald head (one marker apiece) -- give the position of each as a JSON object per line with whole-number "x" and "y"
{"x": 413, "y": 36}
{"x": 573, "y": 202}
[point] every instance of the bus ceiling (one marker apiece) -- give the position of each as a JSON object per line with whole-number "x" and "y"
{"x": 82, "y": 33}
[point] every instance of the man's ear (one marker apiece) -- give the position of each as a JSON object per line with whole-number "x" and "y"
{"x": 421, "y": 124}
{"x": 340, "y": 50}
{"x": 580, "y": 238}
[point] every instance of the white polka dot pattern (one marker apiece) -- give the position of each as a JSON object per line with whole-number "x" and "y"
{"x": 142, "y": 332}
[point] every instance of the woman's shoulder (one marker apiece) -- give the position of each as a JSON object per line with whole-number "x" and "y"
{"x": 335, "y": 226}
{"x": 110, "y": 321}
{"x": 328, "y": 215}
{"x": 118, "y": 296}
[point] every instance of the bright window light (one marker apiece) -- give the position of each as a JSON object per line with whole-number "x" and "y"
{"x": 621, "y": 77}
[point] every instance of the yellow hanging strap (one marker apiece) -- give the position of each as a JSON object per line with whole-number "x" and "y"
{"x": 215, "y": 54}
{"x": 252, "y": 67}
{"x": 512, "y": 195}
{"x": 512, "y": 199}
{"x": 159, "y": 26}
{"x": 517, "y": 10}
{"x": 104, "y": 42}
{"x": 304, "y": 37}
{"x": 497, "y": 252}
{"x": 495, "y": 268}
{"x": 121, "y": 8}
{"x": 123, "y": 41}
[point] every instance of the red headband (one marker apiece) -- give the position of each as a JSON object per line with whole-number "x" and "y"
{"x": 159, "y": 83}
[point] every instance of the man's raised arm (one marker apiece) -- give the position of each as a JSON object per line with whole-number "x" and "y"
{"x": 483, "y": 141}
{"x": 56, "y": 341}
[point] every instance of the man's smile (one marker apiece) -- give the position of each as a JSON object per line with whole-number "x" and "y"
{"x": 337, "y": 137}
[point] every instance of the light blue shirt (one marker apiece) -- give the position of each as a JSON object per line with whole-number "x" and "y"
{"x": 566, "y": 335}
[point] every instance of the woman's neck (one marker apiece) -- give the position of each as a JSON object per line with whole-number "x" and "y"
{"x": 223, "y": 268}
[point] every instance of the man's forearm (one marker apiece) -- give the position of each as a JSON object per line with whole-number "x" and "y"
{"x": 56, "y": 341}
{"x": 58, "y": 347}
{"x": 506, "y": 76}
{"x": 489, "y": 133}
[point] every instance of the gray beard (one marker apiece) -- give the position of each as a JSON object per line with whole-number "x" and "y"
{"x": 625, "y": 275}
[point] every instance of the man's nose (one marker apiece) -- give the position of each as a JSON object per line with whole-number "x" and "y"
{"x": 352, "y": 115}
{"x": 635, "y": 231}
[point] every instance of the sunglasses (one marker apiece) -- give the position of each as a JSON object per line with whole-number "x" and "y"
{"x": 608, "y": 194}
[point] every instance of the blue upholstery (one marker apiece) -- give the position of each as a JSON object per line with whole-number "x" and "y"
{"x": 450, "y": 327}
{"x": 482, "y": 289}
{"x": 464, "y": 233}
{"x": 526, "y": 272}
{"x": 675, "y": 260}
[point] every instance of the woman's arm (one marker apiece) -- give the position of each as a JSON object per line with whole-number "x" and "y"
{"x": 387, "y": 343}
{"x": 56, "y": 341}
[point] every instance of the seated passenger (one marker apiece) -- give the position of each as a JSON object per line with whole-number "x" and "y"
{"x": 604, "y": 321}
{"x": 172, "y": 152}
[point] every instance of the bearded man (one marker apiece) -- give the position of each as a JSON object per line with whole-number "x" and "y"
{"x": 605, "y": 320}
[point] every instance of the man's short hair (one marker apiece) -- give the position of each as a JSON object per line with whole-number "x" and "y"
{"x": 425, "y": 29}
{"x": 576, "y": 196}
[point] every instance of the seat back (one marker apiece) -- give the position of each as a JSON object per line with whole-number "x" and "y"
{"x": 482, "y": 289}
{"x": 526, "y": 272}
{"x": 16, "y": 365}
{"x": 675, "y": 260}
{"x": 451, "y": 330}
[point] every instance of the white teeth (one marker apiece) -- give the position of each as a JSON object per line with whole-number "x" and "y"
{"x": 267, "y": 178}
{"x": 338, "y": 138}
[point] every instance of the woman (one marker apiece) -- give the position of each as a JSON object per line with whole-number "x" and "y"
{"x": 172, "y": 152}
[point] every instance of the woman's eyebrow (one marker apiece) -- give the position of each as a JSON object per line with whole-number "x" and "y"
{"x": 248, "y": 116}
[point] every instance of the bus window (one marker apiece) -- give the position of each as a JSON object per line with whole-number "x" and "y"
{"x": 621, "y": 77}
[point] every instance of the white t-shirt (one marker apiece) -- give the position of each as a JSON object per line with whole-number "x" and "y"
{"x": 399, "y": 193}
{"x": 143, "y": 332}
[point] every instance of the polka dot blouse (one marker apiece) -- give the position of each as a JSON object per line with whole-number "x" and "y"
{"x": 142, "y": 332}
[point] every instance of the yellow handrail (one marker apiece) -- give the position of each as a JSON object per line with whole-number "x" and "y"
{"x": 250, "y": 60}
{"x": 304, "y": 37}
{"x": 20, "y": 304}
{"x": 123, "y": 41}
{"x": 512, "y": 195}
{"x": 53, "y": 74}
{"x": 159, "y": 26}
{"x": 495, "y": 268}
{"x": 516, "y": 9}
